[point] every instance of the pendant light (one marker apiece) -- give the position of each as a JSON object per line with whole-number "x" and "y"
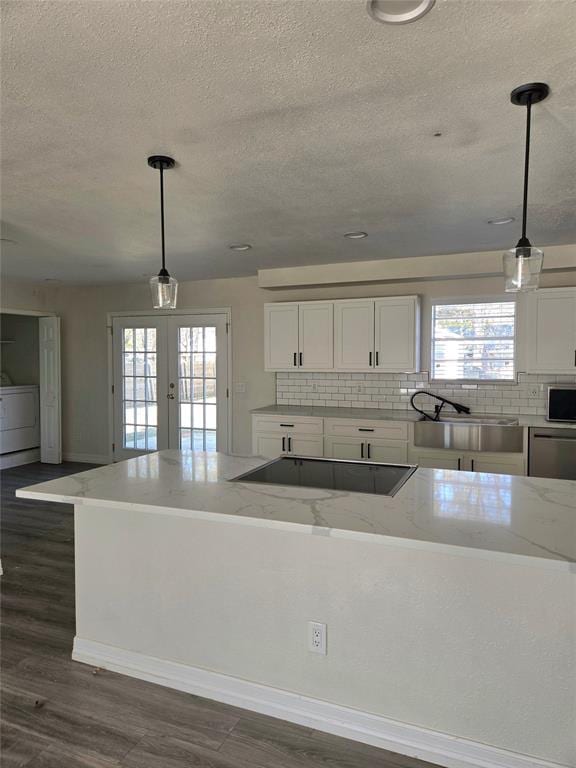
{"x": 523, "y": 264}
{"x": 163, "y": 287}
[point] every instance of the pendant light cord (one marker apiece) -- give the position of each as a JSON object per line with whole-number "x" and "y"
{"x": 526, "y": 165}
{"x": 162, "y": 217}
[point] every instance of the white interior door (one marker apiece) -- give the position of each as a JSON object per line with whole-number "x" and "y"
{"x": 198, "y": 382}
{"x": 50, "y": 395}
{"x": 170, "y": 383}
{"x": 140, "y": 385}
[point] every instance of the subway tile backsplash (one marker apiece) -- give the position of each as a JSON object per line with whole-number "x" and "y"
{"x": 393, "y": 391}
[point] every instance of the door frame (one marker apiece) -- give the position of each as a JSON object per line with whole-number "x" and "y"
{"x": 227, "y": 311}
{"x": 39, "y": 314}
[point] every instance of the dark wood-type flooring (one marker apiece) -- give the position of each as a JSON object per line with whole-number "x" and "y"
{"x": 57, "y": 713}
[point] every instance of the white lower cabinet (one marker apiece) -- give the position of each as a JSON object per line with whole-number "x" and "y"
{"x": 496, "y": 463}
{"x": 271, "y": 445}
{"x": 373, "y": 449}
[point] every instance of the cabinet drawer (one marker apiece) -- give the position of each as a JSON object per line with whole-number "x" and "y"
{"x": 358, "y": 449}
{"x": 365, "y": 428}
{"x": 307, "y": 425}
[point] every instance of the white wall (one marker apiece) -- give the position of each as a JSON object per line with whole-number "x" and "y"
{"x": 84, "y": 352}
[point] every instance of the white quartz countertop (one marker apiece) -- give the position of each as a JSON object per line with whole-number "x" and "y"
{"x": 531, "y": 520}
{"x": 383, "y": 414}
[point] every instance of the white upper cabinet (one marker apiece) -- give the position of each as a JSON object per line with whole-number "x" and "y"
{"x": 349, "y": 335}
{"x": 316, "y": 336}
{"x": 551, "y": 331}
{"x": 354, "y": 335}
{"x": 397, "y": 334}
{"x": 299, "y": 336}
{"x": 280, "y": 337}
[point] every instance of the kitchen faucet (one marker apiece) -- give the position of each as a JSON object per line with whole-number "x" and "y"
{"x": 458, "y": 407}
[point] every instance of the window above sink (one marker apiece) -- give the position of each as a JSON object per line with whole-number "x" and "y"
{"x": 473, "y": 341}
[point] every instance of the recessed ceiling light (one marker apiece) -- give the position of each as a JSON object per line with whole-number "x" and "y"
{"x": 501, "y": 220}
{"x": 240, "y": 247}
{"x": 356, "y": 235}
{"x": 398, "y": 11}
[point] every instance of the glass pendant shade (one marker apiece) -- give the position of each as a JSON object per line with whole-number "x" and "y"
{"x": 164, "y": 291}
{"x": 522, "y": 268}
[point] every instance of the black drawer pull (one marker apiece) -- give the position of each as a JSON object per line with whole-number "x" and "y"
{"x": 364, "y": 429}
{"x": 286, "y": 425}
{"x": 283, "y": 444}
{"x": 361, "y": 450}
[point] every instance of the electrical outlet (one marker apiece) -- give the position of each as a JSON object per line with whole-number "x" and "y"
{"x": 317, "y": 637}
{"x": 534, "y": 391}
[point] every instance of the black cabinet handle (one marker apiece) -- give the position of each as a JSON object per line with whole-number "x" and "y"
{"x": 376, "y": 358}
{"x": 286, "y": 425}
{"x": 370, "y": 359}
{"x": 368, "y": 450}
{"x": 364, "y": 429}
{"x": 361, "y": 450}
{"x": 472, "y": 465}
{"x": 283, "y": 445}
{"x": 300, "y": 358}
{"x": 295, "y": 359}
{"x": 459, "y": 461}
{"x": 289, "y": 445}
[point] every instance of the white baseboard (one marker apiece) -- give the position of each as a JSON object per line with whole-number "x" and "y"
{"x": 17, "y": 458}
{"x": 86, "y": 458}
{"x": 433, "y": 746}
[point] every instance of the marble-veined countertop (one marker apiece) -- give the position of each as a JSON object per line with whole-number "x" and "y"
{"x": 385, "y": 414}
{"x": 529, "y": 520}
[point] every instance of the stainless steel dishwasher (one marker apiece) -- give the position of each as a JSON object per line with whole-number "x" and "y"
{"x": 552, "y": 453}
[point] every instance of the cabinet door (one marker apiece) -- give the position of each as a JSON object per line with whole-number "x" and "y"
{"x": 551, "y": 337}
{"x": 344, "y": 448}
{"x": 304, "y": 445}
{"x": 354, "y": 335}
{"x": 396, "y": 322}
{"x": 436, "y": 459}
{"x": 394, "y": 451}
{"x": 505, "y": 464}
{"x": 280, "y": 337}
{"x": 268, "y": 445}
{"x": 316, "y": 336}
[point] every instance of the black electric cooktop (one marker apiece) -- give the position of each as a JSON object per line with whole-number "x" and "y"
{"x": 335, "y": 474}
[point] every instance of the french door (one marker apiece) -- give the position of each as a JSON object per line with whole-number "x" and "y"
{"x": 170, "y": 383}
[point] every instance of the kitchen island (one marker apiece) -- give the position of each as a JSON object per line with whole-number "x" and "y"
{"x": 450, "y": 607}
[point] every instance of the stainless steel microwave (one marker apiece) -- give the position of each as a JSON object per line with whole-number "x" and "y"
{"x": 561, "y": 402}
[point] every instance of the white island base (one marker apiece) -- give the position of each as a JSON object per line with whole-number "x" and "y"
{"x": 458, "y": 654}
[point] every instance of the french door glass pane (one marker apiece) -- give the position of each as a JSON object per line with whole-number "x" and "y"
{"x": 139, "y": 391}
{"x": 197, "y": 387}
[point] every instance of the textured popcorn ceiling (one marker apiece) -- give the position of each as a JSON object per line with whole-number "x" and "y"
{"x": 292, "y": 121}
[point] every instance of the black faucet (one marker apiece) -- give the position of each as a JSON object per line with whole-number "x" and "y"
{"x": 458, "y": 407}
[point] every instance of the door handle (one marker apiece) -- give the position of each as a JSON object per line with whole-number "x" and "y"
{"x": 472, "y": 465}
{"x": 361, "y": 450}
{"x": 300, "y": 358}
{"x": 370, "y": 359}
{"x": 368, "y": 450}
{"x": 283, "y": 445}
{"x": 459, "y": 463}
{"x": 289, "y": 445}
{"x": 376, "y": 358}
{"x": 295, "y": 359}
{"x": 170, "y": 396}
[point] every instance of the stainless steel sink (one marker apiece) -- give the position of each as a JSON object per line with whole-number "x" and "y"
{"x": 470, "y": 433}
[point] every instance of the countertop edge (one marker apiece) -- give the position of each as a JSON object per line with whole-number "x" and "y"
{"x": 562, "y": 566}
